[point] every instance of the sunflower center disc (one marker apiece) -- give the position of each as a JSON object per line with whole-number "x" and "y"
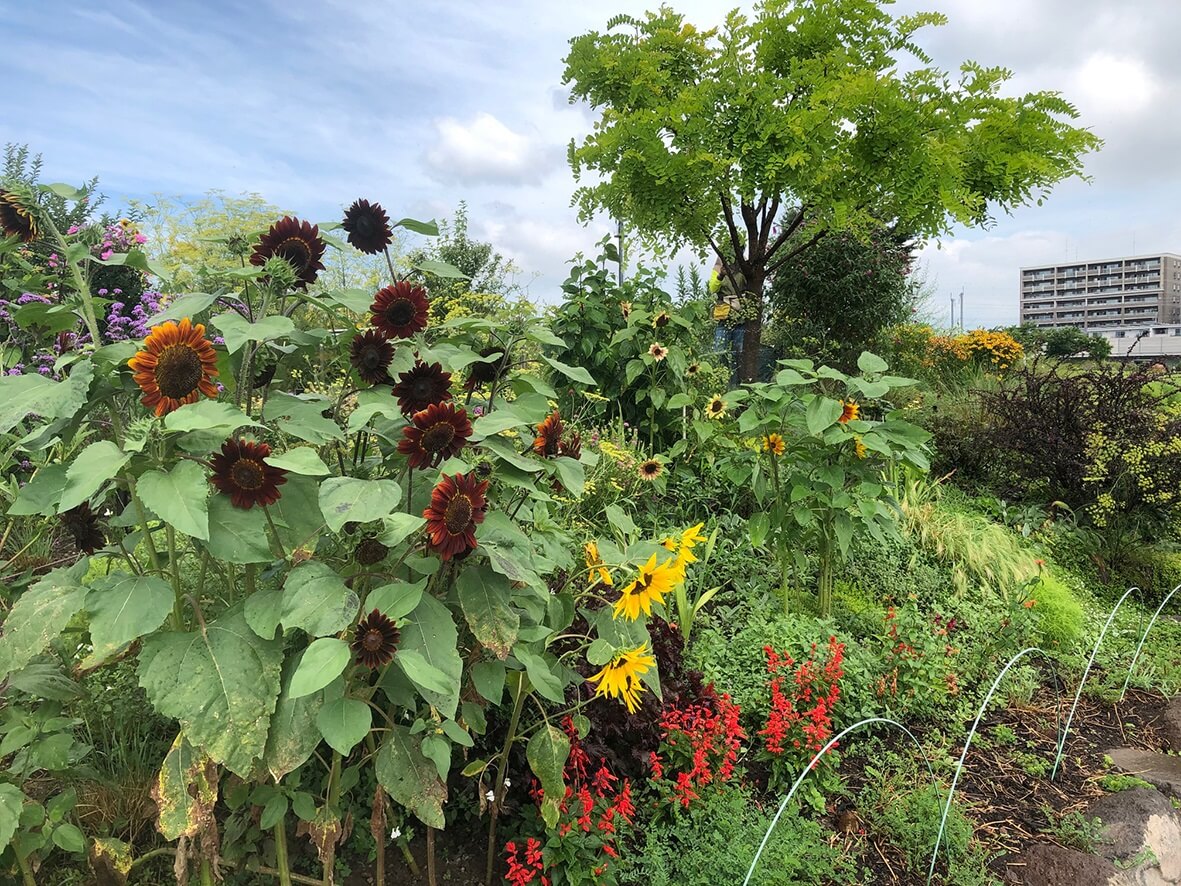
{"x": 400, "y": 313}
{"x": 372, "y": 641}
{"x": 247, "y": 474}
{"x": 178, "y": 371}
{"x": 438, "y": 437}
{"x": 458, "y": 514}
{"x": 295, "y": 251}
{"x": 371, "y": 358}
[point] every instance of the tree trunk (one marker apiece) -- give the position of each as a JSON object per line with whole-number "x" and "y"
{"x": 752, "y": 330}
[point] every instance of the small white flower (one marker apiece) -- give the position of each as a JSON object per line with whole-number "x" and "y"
{"x": 507, "y": 783}
{"x": 490, "y": 797}
{"x": 395, "y": 833}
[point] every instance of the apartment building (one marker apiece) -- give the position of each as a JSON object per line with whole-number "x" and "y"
{"x": 1119, "y": 293}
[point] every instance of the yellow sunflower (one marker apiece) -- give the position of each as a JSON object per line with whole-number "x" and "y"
{"x": 850, "y": 411}
{"x": 653, "y": 581}
{"x": 596, "y": 571}
{"x": 716, "y": 407}
{"x": 774, "y": 443}
{"x": 620, "y": 677}
{"x": 859, "y": 448}
{"x": 176, "y": 365}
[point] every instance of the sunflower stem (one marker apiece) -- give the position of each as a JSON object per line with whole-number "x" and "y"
{"x": 275, "y": 532}
{"x": 281, "y": 862}
{"x": 390, "y": 264}
{"x": 142, "y": 515}
{"x": 498, "y": 787}
{"x": 178, "y": 616}
{"x": 26, "y": 871}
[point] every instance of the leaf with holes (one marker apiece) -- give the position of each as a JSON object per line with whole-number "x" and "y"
{"x": 41, "y": 614}
{"x": 484, "y": 597}
{"x": 410, "y": 778}
{"x": 221, "y": 682}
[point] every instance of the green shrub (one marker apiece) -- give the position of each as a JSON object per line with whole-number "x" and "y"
{"x": 900, "y": 803}
{"x": 1060, "y": 616}
{"x": 714, "y": 841}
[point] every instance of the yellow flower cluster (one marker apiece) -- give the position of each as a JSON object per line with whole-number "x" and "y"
{"x": 620, "y": 677}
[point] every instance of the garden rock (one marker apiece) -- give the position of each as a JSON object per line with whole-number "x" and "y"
{"x": 1170, "y": 725}
{"x": 1045, "y": 864}
{"x": 1159, "y": 770}
{"x": 1141, "y": 835}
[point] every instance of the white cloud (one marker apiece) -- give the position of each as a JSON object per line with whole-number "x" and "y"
{"x": 485, "y": 151}
{"x": 1113, "y": 86}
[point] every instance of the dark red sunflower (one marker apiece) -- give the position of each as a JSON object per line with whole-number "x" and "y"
{"x": 401, "y": 310}
{"x": 456, "y": 508}
{"x": 16, "y": 219}
{"x": 549, "y": 435}
{"x": 82, "y": 524}
{"x": 376, "y": 640}
{"x": 368, "y": 227}
{"x": 370, "y": 551}
{"x": 571, "y": 447}
{"x": 298, "y": 243}
{"x": 177, "y": 364}
{"x": 240, "y": 472}
{"x": 435, "y": 433}
{"x": 422, "y": 385}
{"x": 371, "y": 355}
{"x": 485, "y": 373}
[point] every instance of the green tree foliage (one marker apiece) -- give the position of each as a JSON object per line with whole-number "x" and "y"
{"x": 832, "y": 301}
{"x": 1064, "y": 341}
{"x": 710, "y": 136}
{"x": 486, "y": 291}
{"x": 24, "y": 168}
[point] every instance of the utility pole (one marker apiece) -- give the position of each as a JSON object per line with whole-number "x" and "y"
{"x": 962, "y": 326}
{"x": 953, "y": 312}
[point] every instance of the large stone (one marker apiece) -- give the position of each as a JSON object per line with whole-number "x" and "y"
{"x": 1170, "y": 725}
{"x": 1141, "y": 835}
{"x": 1045, "y": 864}
{"x": 1159, "y": 770}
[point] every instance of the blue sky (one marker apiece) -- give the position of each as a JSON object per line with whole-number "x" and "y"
{"x": 312, "y": 104}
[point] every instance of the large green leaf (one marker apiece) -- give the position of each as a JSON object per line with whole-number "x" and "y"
{"x": 349, "y": 499}
{"x": 21, "y": 395}
{"x": 302, "y": 416}
{"x": 484, "y": 597}
{"x": 409, "y": 778}
{"x": 11, "y": 803}
{"x": 185, "y": 791}
{"x": 124, "y": 607}
{"x": 868, "y": 362}
{"x": 430, "y": 229}
{"x": 237, "y": 535}
{"x": 209, "y": 415}
{"x": 574, "y": 373}
{"x": 541, "y": 675}
{"x": 316, "y": 600}
{"x": 41, "y": 494}
{"x": 297, "y": 512}
{"x": 220, "y": 682}
{"x": 41, "y": 614}
{"x": 421, "y": 672}
{"x": 179, "y": 497}
{"x": 396, "y": 528}
{"x": 292, "y": 737}
{"x": 322, "y": 662}
{"x": 237, "y": 330}
{"x": 547, "y": 752}
{"x": 395, "y": 600}
{"x": 822, "y": 413}
{"x": 431, "y": 632}
{"x": 94, "y": 466}
{"x": 300, "y": 460}
{"x": 188, "y": 305}
{"x": 344, "y": 722}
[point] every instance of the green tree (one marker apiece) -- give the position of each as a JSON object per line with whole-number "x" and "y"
{"x": 831, "y": 301}
{"x": 710, "y": 136}
{"x": 486, "y": 289}
{"x": 1063, "y": 341}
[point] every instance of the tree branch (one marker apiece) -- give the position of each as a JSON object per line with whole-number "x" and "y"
{"x": 806, "y": 245}
{"x": 791, "y": 228}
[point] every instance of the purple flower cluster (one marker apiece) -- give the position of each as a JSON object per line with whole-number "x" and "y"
{"x": 123, "y": 325}
{"x": 119, "y": 237}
